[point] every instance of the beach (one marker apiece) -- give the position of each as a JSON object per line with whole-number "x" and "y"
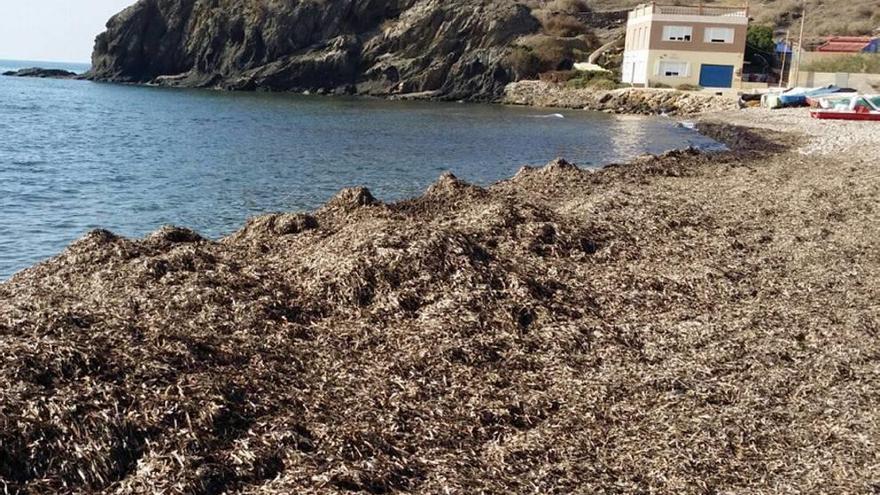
{"x": 685, "y": 323}
{"x": 130, "y": 159}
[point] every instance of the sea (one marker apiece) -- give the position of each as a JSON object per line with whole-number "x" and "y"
{"x": 77, "y": 155}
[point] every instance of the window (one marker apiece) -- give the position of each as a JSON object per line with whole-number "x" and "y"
{"x": 719, "y": 35}
{"x": 678, "y": 33}
{"x": 673, "y": 69}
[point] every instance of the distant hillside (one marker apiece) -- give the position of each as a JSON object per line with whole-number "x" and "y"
{"x": 853, "y": 17}
{"x": 451, "y": 49}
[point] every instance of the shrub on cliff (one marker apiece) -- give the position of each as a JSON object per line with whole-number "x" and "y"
{"x": 524, "y": 63}
{"x": 604, "y": 85}
{"x": 560, "y": 76}
{"x": 558, "y": 17}
{"x": 542, "y": 53}
{"x": 562, "y": 25}
{"x": 600, "y": 81}
{"x": 568, "y": 6}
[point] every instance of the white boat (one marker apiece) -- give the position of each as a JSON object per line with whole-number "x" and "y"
{"x": 857, "y": 107}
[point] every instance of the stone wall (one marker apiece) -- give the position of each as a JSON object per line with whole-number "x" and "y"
{"x": 865, "y": 83}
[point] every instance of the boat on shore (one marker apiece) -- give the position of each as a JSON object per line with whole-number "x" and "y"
{"x": 794, "y": 97}
{"x": 857, "y": 107}
{"x": 801, "y": 97}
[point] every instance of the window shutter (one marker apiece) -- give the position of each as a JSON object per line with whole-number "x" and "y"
{"x": 678, "y": 33}
{"x": 719, "y": 35}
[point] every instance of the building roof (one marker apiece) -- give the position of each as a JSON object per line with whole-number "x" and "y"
{"x": 689, "y": 10}
{"x": 846, "y": 44}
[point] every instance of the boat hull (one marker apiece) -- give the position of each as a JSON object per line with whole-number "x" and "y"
{"x": 843, "y": 115}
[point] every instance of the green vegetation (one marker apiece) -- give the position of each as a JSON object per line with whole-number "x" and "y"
{"x": 560, "y": 76}
{"x": 574, "y": 79}
{"x": 867, "y": 63}
{"x": 603, "y": 85}
{"x": 761, "y": 38}
{"x": 600, "y": 81}
{"x": 688, "y": 87}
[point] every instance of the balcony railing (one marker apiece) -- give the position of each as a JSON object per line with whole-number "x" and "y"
{"x": 698, "y": 10}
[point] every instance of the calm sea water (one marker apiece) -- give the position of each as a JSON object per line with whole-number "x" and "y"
{"x": 76, "y": 155}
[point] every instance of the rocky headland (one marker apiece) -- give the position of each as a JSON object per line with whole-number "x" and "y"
{"x": 455, "y": 49}
{"x": 402, "y": 49}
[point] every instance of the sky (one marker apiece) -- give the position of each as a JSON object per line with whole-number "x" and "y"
{"x": 53, "y": 30}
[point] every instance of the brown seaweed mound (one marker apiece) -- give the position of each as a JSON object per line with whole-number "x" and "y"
{"x": 684, "y": 324}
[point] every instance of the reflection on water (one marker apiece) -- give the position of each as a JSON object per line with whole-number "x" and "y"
{"x": 626, "y": 131}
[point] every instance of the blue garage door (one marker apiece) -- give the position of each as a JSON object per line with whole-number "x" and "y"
{"x": 716, "y": 76}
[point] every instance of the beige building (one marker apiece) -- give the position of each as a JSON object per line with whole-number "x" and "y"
{"x": 675, "y": 45}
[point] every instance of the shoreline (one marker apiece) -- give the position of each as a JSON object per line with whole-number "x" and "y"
{"x": 681, "y": 323}
{"x": 574, "y": 128}
{"x": 626, "y": 101}
{"x": 591, "y": 169}
{"x": 532, "y": 93}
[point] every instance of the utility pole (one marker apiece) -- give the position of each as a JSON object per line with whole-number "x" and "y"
{"x": 797, "y": 74}
{"x": 785, "y": 50}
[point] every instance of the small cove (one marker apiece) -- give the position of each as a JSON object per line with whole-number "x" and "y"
{"x": 77, "y": 155}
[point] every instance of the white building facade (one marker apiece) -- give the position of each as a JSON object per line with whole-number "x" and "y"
{"x": 676, "y": 45}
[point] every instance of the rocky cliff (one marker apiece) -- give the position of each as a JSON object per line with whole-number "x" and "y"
{"x": 446, "y": 48}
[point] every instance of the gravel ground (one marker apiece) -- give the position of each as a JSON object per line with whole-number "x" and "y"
{"x": 686, "y": 324}
{"x": 822, "y": 137}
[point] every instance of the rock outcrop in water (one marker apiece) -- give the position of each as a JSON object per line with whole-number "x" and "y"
{"x": 451, "y": 48}
{"x": 42, "y": 73}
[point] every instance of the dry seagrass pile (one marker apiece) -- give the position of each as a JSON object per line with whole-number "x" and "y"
{"x": 683, "y": 324}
